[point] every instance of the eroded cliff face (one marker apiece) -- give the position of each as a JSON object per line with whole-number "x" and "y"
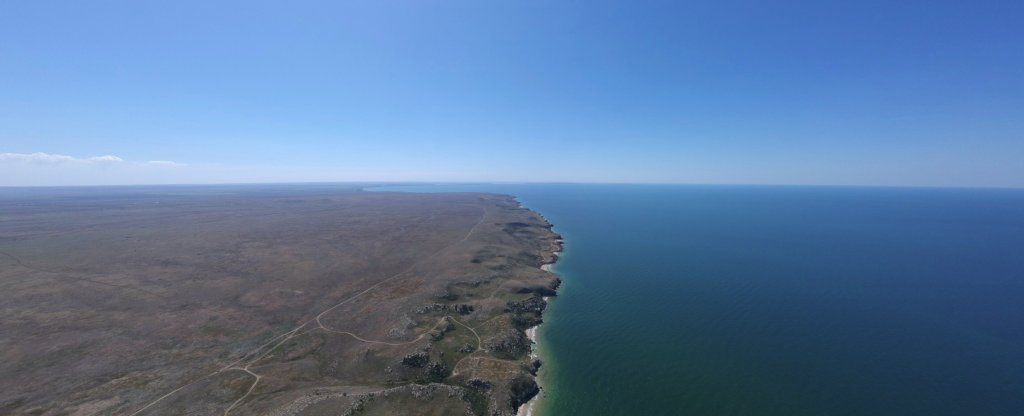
{"x": 476, "y": 355}
{"x": 496, "y": 373}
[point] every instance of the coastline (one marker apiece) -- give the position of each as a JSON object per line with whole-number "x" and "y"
{"x": 527, "y": 409}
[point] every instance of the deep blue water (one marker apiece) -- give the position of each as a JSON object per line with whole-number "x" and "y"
{"x": 731, "y": 300}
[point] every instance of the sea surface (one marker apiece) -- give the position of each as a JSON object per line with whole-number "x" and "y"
{"x": 735, "y": 300}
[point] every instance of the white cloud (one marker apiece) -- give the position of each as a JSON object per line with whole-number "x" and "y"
{"x": 39, "y": 169}
{"x": 106, "y": 159}
{"x": 53, "y": 158}
{"x": 163, "y": 163}
{"x": 37, "y": 157}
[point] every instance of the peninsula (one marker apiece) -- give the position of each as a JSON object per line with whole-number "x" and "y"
{"x": 285, "y": 301}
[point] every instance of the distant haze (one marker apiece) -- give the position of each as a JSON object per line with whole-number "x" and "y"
{"x": 737, "y": 91}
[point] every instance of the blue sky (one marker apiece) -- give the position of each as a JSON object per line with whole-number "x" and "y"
{"x": 735, "y": 91}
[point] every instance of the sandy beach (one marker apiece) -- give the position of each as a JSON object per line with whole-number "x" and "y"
{"x": 527, "y": 408}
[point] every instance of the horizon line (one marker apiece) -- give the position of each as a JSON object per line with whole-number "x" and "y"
{"x": 366, "y": 184}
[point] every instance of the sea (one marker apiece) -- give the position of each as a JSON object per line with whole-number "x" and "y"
{"x": 776, "y": 300}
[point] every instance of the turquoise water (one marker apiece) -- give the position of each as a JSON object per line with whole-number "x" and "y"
{"x": 702, "y": 300}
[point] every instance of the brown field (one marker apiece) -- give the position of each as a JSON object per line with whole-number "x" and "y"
{"x": 278, "y": 300}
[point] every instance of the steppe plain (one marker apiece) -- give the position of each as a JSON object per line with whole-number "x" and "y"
{"x": 276, "y": 300}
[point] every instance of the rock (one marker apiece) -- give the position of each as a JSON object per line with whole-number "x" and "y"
{"x": 437, "y": 371}
{"x": 513, "y": 343}
{"x": 479, "y": 384}
{"x": 535, "y": 366}
{"x": 522, "y": 389}
{"x": 534, "y": 304}
{"x": 459, "y": 308}
{"x": 417, "y": 359}
{"x": 523, "y": 321}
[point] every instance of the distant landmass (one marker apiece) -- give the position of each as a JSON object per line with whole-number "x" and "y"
{"x": 277, "y": 300}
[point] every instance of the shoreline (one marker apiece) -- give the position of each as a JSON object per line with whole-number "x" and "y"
{"x": 526, "y": 409}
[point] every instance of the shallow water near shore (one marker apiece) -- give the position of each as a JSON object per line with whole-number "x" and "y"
{"x": 736, "y": 300}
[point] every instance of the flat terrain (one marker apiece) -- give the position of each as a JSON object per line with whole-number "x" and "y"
{"x": 283, "y": 300}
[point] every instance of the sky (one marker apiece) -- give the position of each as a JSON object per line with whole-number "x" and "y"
{"x": 919, "y": 93}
